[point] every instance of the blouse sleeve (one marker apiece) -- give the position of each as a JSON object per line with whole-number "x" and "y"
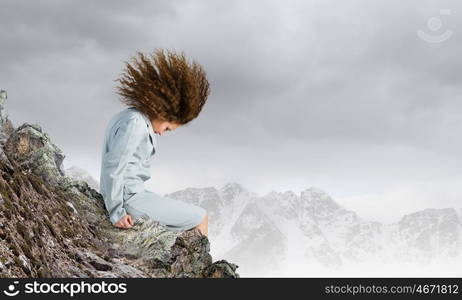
{"x": 127, "y": 137}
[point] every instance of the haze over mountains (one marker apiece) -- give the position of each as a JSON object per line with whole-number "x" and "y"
{"x": 310, "y": 234}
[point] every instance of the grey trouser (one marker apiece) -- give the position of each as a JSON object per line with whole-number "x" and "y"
{"x": 174, "y": 214}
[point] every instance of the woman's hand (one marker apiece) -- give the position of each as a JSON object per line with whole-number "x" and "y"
{"x": 125, "y": 222}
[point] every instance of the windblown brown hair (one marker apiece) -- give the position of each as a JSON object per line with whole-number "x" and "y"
{"x": 164, "y": 87}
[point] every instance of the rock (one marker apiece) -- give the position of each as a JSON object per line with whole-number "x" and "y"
{"x": 221, "y": 269}
{"x": 33, "y": 150}
{"x": 72, "y": 207}
{"x": 190, "y": 255}
{"x": 24, "y": 264}
{"x": 80, "y": 174}
{"x": 97, "y": 262}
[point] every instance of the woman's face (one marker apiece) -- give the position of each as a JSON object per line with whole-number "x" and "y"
{"x": 160, "y": 126}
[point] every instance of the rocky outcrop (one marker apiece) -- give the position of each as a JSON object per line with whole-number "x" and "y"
{"x": 52, "y": 225}
{"x": 78, "y": 173}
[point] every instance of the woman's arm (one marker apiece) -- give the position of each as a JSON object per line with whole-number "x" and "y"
{"x": 128, "y": 136}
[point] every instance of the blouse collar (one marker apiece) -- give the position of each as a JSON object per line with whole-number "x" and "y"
{"x": 149, "y": 124}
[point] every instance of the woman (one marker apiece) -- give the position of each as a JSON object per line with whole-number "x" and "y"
{"x": 162, "y": 93}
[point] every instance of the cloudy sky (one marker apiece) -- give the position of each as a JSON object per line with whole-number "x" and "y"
{"x": 342, "y": 95}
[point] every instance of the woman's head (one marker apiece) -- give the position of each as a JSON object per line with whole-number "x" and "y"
{"x": 164, "y": 87}
{"x": 160, "y": 126}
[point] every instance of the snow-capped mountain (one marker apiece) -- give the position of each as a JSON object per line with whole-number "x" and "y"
{"x": 310, "y": 234}
{"x": 428, "y": 234}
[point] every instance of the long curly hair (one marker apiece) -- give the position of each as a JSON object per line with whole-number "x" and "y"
{"x": 164, "y": 87}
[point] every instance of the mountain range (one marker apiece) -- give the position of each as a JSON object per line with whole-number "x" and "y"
{"x": 310, "y": 234}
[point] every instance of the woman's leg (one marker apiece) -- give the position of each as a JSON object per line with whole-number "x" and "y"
{"x": 203, "y": 226}
{"x": 174, "y": 214}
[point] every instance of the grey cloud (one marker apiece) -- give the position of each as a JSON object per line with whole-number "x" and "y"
{"x": 303, "y": 75}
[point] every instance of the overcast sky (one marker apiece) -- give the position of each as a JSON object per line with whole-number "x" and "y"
{"x": 341, "y": 95}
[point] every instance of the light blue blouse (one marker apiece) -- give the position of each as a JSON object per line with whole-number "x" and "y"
{"x": 129, "y": 144}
